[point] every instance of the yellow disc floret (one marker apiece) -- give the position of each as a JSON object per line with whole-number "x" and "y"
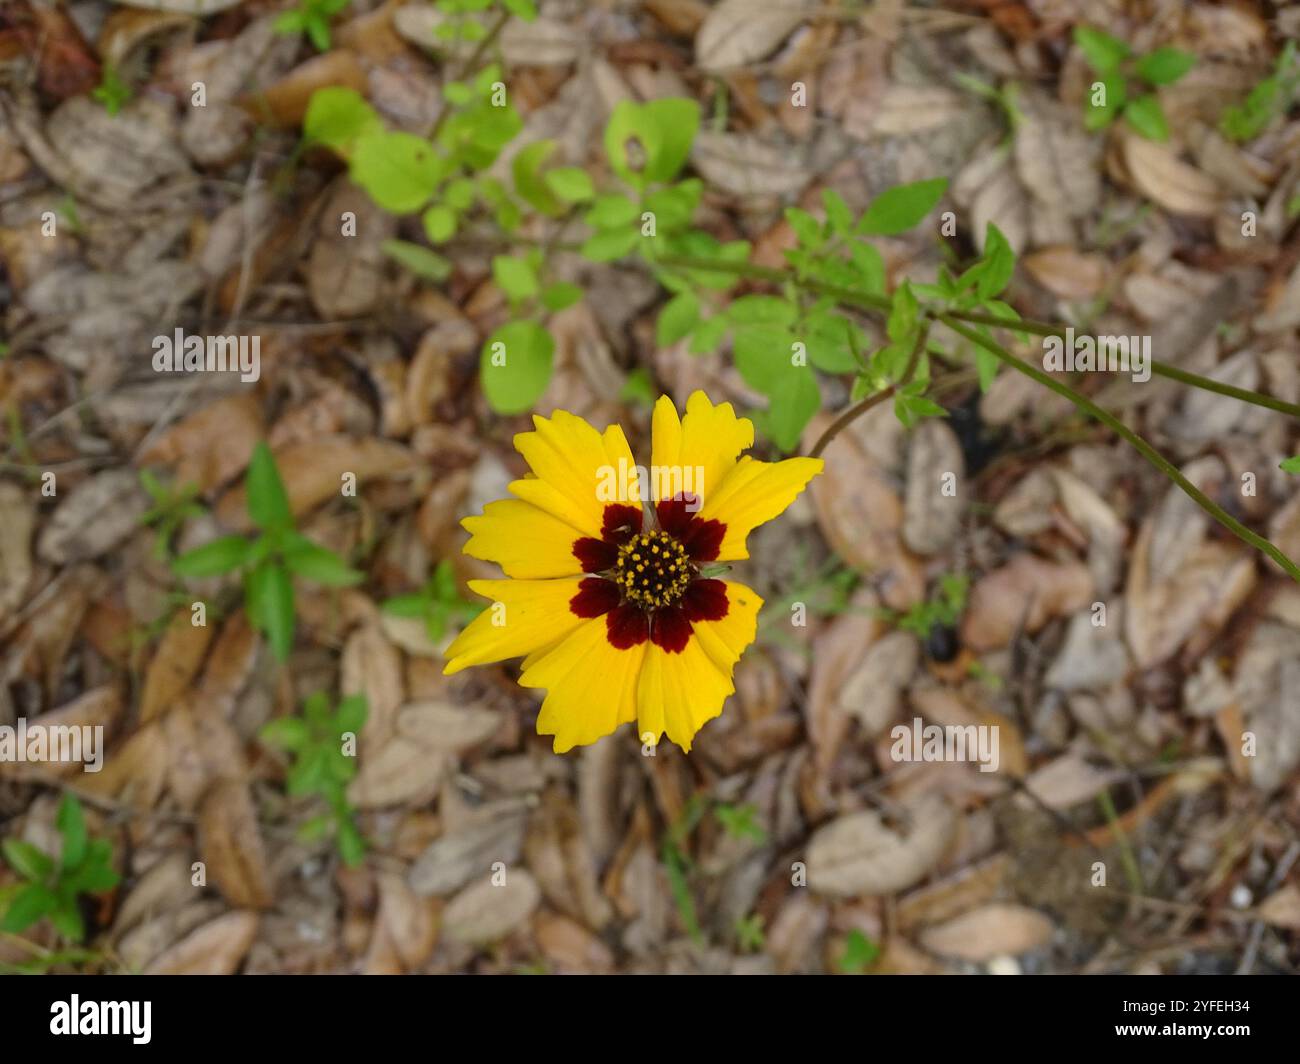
{"x": 653, "y": 570}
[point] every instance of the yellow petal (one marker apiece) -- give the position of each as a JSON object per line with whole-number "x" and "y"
{"x": 678, "y": 693}
{"x": 526, "y": 542}
{"x": 726, "y": 639}
{"x": 754, "y": 492}
{"x": 570, "y": 460}
{"x": 591, "y": 686}
{"x": 525, "y": 616}
{"x": 703, "y": 445}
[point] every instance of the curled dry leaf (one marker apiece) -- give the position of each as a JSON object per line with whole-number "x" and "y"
{"x": 746, "y": 165}
{"x": 371, "y": 666}
{"x": 872, "y": 692}
{"x": 235, "y": 420}
{"x": 346, "y": 271}
{"x": 216, "y": 948}
{"x": 231, "y": 845}
{"x": 166, "y": 885}
{"x": 860, "y": 854}
{"x": 1025, "y": 594}
{"x": 1157, "y": 172}
{"x": 96, "y": 516}
{"x": 402, "y": 771}
{"x": 906, "y": 110}
{"x": 737, "y": 32}
{"x": 174, "y": 664}
{"x": 444, "y": 726}
{"x": 453, "y": 860}
{"x": 931, "y": 512}
{"x": 409, "y": 921}
{"x": 484, "y": 913}
{"x": 840, "y": 648}
{"x": 100, "y": 707}
{"x": 998, "y": 929}
{"x": 15, "y": 547}
{"x": 1068, "y": 272}
{"x": 570, "y": 947}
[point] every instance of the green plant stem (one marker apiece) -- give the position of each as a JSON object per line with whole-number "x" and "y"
{"x": 1143, "y": 448}
{"x": 871, "y": 301}
{"x": 854, "y": 412}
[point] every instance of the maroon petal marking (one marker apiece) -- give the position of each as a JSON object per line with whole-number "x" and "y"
{"x": 705, "y": 600}
{"x": 702, "y": 539}
{"x": 626, "y": 626}
{"x": 595, "y": 555}
{"x": 672, "y": 630}
{"x": 621, "y": 523}
{"x": 594, "y": 598}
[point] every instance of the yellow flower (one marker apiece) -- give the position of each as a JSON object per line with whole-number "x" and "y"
{"x": 606, "y": 601}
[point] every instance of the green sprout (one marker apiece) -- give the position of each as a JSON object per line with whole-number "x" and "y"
{"x": 860, "y": 953}
{"x": 272, "y": 560}
{"x": 311, "y": 17}
{"x": 1273, "y": 96}
{"x": 1113, "y": 62}
{"x": 52, "y": 888}
{"x": 112, "y": 92}
{"x": 171, "y": 508}
{"x": 322, "y": 767}
{"x": 438, "y": 603}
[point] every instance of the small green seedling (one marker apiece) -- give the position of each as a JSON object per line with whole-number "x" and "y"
{"x": 171, "y": 508}
{"x": 1114, "y": 64}
{"x": 112, "y": 92}
{"x": 750, "y": 937}
{"x": 860, "y": 953}
{"x": 311, "y": 17}
{"x": 52, "y": 888}
{"x": 943, "y": 610}
{"x": 271, "y": 561}
{"x": 323, "y": 745}
{"x": 739, "y": 821}
{"x": 438, "y": 603}
{"x": 1273, "y": 96}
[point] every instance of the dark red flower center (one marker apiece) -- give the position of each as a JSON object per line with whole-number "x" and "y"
{"x": 647, "y": 584}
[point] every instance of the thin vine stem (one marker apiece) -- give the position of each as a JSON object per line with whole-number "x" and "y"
{"x": 1143, "y": 448}
{"x": 871, "y": 301}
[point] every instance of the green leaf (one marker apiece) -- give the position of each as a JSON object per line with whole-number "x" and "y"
{"x": 897, "y": 210}
{"x": 270, "y": 606}
{"x": 268, "y": 503}
{"x": 67, "y": 922}
{"x": 638, "y": 388}
{"x": 708, "y": 334}
{"x": 570, "y": 184}
{"x": 515, "y": 277}
{"x": 318, "y": 32}
{"x": 805, "y": 226}
{"x": 860, "y": 953}
{"x": 399, "y": 170}
{"x": 1291, "y": 465}
{"x": 650, "y": 142}
{"x": 1115, "y": 94}
{"x": 1147, "y": 116}
{"x": 870, "y": 267}
{"x": 526, "y": 169}
{"x": 1103, "y": 52}
{"x": 987, "y": 365}
{"x": 288, "y": 733}
{"x": 560, "y": 295}
{"x": 220, "y": 556}
{"x": 338, "y": 117}
{"x": 72, "y": 826}
{"x": 439, "y": 223}
{"x": 421, "y": 261}
{"x": 27, "y": 860}
{"x": 352, "y": 713}
{"x": 28, "y": 906}
{"x": 352, "y": 847}
{"x": 999, "y": 263}
{"x": 524, "y": 9}
{"x": 838, "y": 215}
{"x": 762, "y": 310}
{"x": 677, "y": 319}
{"x": 610, "y": 244}
{"x": 791, "y": 408}
{"x": 901, "y": 324}
{"x": 515, "y": 366}
{"x": 763, "y": 355}
{"x": 674, "y": 206}
{"x": 1164, "y": 66}
{"x": 910, "y": 405}
{"x": 313, "y": 562}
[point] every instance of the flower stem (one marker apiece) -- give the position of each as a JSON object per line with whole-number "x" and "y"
{"x": 1143, "y": 448}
